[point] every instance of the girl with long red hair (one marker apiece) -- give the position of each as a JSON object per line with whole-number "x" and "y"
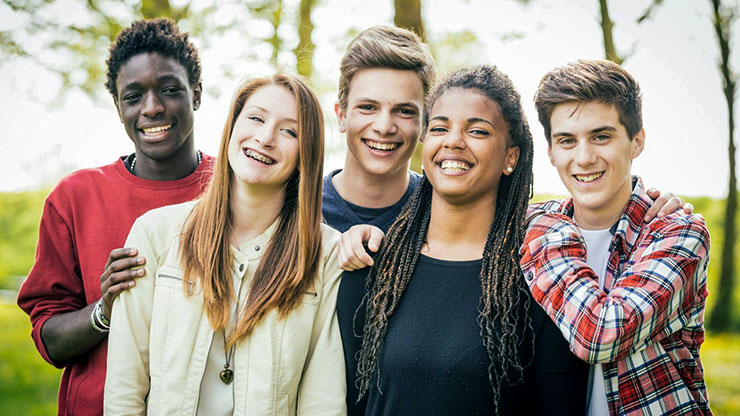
{"x": 235, "y": 312}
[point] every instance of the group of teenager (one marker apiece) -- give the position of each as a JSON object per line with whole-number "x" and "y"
{"x": 228, "y": 297}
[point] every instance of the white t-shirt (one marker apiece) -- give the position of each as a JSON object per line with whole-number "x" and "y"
{"x": 597, "y": 257}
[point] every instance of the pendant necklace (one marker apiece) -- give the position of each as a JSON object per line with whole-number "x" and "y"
{"x": 227, "y": 374}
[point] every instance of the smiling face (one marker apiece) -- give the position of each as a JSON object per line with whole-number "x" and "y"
{"x": 466, "y": 147}
{"x": 382, "y": 120}
{"x": 593, "y": 154}
{"x": 263, "y": 149}
{"x": 155, "y": 104}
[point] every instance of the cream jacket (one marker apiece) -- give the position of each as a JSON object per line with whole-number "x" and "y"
{"x": 160, "y": 338}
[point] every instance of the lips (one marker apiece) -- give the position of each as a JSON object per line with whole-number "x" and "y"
{"x": 383, "y": 147}
{"x": 253, "y": 154}
{"x": 589, "y": 177}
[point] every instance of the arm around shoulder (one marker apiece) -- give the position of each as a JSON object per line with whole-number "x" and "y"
{"x": 660, "y": 289}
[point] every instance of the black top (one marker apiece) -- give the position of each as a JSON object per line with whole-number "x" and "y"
{"x": 433, "y": 360}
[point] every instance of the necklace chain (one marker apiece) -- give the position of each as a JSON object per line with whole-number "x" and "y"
{"x": 227, "y": 374}
{"x": 197, "y": 153}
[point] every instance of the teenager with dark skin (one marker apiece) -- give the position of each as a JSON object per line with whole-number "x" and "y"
{"x": 154, "y": 78}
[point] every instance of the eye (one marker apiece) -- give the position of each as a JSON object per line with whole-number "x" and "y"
{"x": 437, "y": 129}
{"x": 602, "y": 137}
{"x": 291, "y": 132}
{"x": 366, "y": 107}
{"x": 566, "y": 141}
{"x": 131, "y": 97}
{"x": 406, "y": 112}
{"x": 479, "y": 132}
{"x": 256, "y": 118}
{"x": 171, "y": 90}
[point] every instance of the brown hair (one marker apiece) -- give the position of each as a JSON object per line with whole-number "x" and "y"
{"x": 385, "y": 47}
{"x": 587, "y": 81}
{"x": 290, "y": 263}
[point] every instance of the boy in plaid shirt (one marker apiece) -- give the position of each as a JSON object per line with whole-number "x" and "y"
{"x": 627, "y": 295}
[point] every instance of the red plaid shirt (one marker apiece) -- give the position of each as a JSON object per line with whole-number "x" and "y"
{"x": 646, "y": 326}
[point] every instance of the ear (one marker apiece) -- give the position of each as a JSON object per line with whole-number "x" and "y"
{"x": 638, "y": 143}
{"x": 549, "y": 154}
{"x": 340, "y": 112}
{"x": 197, "y": 94}
{"x": 512, "y": 157}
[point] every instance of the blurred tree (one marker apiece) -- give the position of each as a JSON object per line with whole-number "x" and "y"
{"x": 304, "y": 51}
{"x": 607, "y": 26}
{"x": 272, "y": 12}
{"x": 407, "y": 14}
{"x": 721, "y": 316}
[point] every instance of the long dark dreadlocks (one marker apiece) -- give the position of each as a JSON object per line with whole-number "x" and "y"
{"x": 504, "y": 300}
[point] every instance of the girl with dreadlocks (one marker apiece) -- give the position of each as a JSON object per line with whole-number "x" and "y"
{"x": 450, "y": 327}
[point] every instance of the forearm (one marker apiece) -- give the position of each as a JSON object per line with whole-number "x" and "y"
{"x": 68, "y": 335}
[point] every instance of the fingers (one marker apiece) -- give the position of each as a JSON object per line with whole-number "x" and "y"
{"x": 658, "y": 203}
{"x": 688, "y": 208}
{"x": 353, "y": 254}
{"x": 119, "y": 275}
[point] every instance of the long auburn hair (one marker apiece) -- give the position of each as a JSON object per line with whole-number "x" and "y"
{"x": 504, "y": 300}
{"x": 290, "y": 263}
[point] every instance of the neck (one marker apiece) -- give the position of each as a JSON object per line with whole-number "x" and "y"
{"x": 253, "y": 210}
{"x": 459, "y": 232}
{"x": 369, "y": 190}
{"x": 179, "y": 165}
{"x": 603, "y": 217}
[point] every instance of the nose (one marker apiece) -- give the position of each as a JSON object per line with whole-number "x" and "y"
{"x": 266, "y": 136}
{"x": 454, "y": 140}
{"x": 585, "y": 154}
{"x": 383, "y": 124}
{"x": 153, "y": 105}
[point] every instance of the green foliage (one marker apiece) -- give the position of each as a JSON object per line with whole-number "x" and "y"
{"x": 19, "y": 219}
{"x": 720, "y": 356}
{"x": 28, "y": 384}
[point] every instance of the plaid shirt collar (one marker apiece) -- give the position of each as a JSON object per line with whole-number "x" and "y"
{"x": 626, "y": 230}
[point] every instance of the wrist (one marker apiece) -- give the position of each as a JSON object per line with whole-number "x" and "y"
{"x": 98, "y": 320}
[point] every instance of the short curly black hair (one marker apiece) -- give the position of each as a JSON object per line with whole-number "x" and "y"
{"x": 156, "y": 35}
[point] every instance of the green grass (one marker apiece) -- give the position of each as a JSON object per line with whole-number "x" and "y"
{"x": 28, "y": 384}
{"x": 720, "y": 356}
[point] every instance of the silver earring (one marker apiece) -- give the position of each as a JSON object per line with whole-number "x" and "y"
{"x": 509, "y": 169}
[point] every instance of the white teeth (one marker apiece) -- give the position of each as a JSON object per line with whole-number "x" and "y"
{"x": 454, "y": 165}
{"x": 588, "y": 178}
{"x": 254, "y": 155}
{"x": 381, "y": 146}
{"x": 153, "y": 131}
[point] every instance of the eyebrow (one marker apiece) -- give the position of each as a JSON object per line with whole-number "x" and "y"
{"x": 592, "y": 131}
{"x": 165, "y": 77}
{"x": 470, "y": 120}
{"x": 372, "y": 101}
{"x": 264, "y": 110}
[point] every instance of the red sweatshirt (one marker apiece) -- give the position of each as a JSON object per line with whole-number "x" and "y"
{"x": 88, "y": 214}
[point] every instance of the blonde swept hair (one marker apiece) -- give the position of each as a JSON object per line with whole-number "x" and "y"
{"x": 385, "y": 47}
{"x": 291, "y": 260}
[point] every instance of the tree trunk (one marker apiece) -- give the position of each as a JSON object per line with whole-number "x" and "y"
{"x": 408, "y": 16}
{"x": 722, "y": 313}
{"x": 610, "y": 51}
{"x": 304, "y": 51}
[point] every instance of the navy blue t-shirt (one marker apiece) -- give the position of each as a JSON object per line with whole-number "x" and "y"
{"x": 341, "y": 215}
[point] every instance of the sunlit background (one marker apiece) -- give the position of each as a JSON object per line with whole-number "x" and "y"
{"x": 48, "y": 130}
{"x": 57, "y": 117}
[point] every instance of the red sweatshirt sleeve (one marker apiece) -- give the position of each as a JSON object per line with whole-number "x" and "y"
{"x": 54, "y": 284}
